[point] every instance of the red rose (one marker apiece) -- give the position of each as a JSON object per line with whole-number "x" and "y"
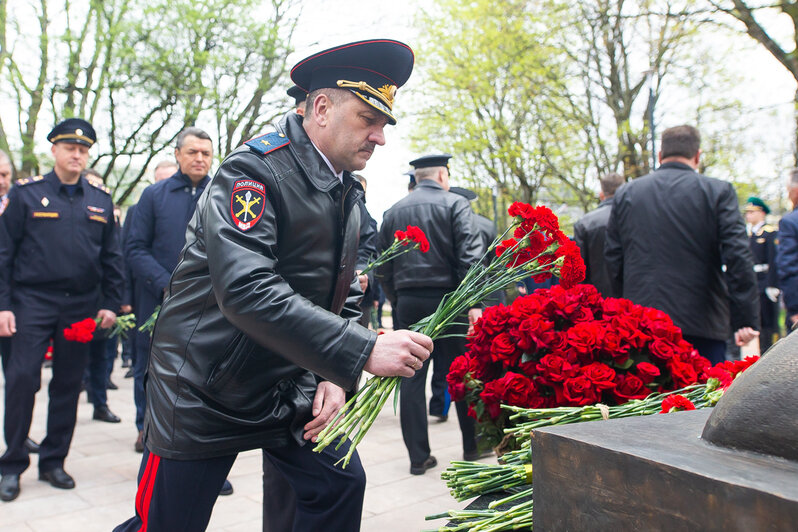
{"x": 662, "y": 349}
{"x": 683, "y": 374}
{"x": 613, "y": 345}
{"x": 601, "y": 375}
{"x": 514, "y": 389}
{"x": 585, "y": 338}
{"x": 647, "y": 372}
{"x": 491, "y": 398}
{"x": 579, "y": 391}
{"x": 628, "y": 387}
{"x": 675, "y": 403}
{"x": 526, "y": 306}
{"x": 553, "y": 368}
{"x": 532, "y": 333}
{"x": 456, "y": 378}
{"x": 505, "y": 350}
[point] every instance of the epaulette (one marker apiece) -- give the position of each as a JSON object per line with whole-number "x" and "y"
{"x": 28, "y": 181}
{"x": 99, "y": 185}
{"x": 267, "y": 143}
{"x": 769, "y": 228}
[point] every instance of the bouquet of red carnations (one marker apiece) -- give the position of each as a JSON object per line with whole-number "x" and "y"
{"x": 83, "y": 330}
{"x": 569, "y": 347}
{"x": 537, "y": 248}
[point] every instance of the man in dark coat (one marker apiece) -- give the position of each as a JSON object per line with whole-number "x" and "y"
{"x": 787, "y": 257}
{"x": 415, "y": 283}
{"x": 590, "y": 232}
{"x": 258, "y": 335}
{"x": 670, "y": 234}
{"x": 763, "y": 238}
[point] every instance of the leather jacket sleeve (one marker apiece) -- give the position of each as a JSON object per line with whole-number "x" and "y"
{"x": 256, "y": 299}
{"x": 613, "y": 250}
{"x": 467, "y": 243}
{"x": 743, "y": 293}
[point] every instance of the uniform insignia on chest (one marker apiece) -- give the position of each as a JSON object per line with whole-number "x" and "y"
{"x": 98, "y": 210}
{"x": 760, "y": 240}
{"x": 45, "y": 214}
{"x": 45, "y": 202}
{"x": 247, "y": 203}
{"x": 98, "y": 218}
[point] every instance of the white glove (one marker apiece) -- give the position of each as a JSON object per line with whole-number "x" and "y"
{"x": 773, "y": 293}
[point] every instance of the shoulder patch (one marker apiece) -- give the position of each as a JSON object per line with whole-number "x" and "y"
{"x": 267, "y": 143}
{"x": 99, "y": 185}
{"x": 247, "y": 203}
{"x": 28, "y": 181}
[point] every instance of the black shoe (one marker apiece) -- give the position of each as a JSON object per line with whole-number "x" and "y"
{"x": 125, "y": 362}
{"x": 227, "y": 488}
{"x": 420, "y": 469}
{"x": 9, "y": 487}
{"x": 101, "y": 413}
{"x": 442, "y": 418}
{"x": 139, "y": 445}
{"x": 110, "y": 385}
{"x": 31, "y": 446}
{"x": 129, "y": 374}
{"x": 58, "y": 478}
{"x": 471, "y": 456}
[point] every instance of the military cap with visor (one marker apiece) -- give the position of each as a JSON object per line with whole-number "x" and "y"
{"x": 372, "y": 70}
{"x": 756, "y": 204}
{"x": 430, "y": 161}
{"x": 297, "y": 94}
{"x": 73, "y": 131}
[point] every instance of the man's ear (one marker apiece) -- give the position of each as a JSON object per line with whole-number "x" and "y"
{"x": 322, "y": 106}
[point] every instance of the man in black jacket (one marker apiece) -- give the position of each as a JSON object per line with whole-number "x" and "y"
{"x": 415, "y": 283}
{"x": 670, "y": 234}
{"x": 258, "y": 335}
{"x": 590, "y": 232}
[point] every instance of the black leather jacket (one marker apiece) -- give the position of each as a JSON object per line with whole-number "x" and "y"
{"x": 253, "y": 316}
{"x": 446, "y": 219}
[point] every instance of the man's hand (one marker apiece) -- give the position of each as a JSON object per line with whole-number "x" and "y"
{"x": 743, "y": 335}
{"x": 329, "y": 400}
{"x": 773, "y": 293}
{"x": 106, "y": 317}
{"x": 8, "y": 323}
{"x": 125, "y": 309}
{"x": 473, "y": 315}
{"x": 399, "y": 354}
{"x": 363, "y": 280}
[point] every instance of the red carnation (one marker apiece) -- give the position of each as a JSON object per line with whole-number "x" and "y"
{"x": 724, "y": 377}
{"x": 400, "y": 235}
{"x": 417, "y": 235}
{"x": 82, "y": 331}
{"x": 676, "y": 403}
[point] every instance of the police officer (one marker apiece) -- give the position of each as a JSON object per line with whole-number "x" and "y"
{"x": 415, "y": 283}
{"x": 59, "y": 256}
{"x": 299, "y": 97}
{"x": 258, "y": 335}
{"x": 763, "y": 239}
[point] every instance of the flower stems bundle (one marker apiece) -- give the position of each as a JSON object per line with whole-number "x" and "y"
{"x": 122, "y": 325}
{"x": 538, "y": 249}
{"x": 518, "y": 517}
{"x": 470, "y": 479}
{"x": 149, "y": 325}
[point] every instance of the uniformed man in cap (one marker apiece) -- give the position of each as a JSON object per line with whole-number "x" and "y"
{"x": 415, "y": 283}
{"x": 763, "y": 239}
{"x": 299, "y": 97}
{"x": 258, "y": 335}
{"x": 59, "y": 256}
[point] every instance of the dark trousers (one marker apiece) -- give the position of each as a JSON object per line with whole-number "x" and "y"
{"x": 180, "y": 494}
{"x": 145, "y": 306}
{"x": 40, "y": 316}
{"x": 411, "y": 308}
{"x": 279, "y": 499}
{"x": 102, "y": 352}
{"x": 714, "y": 350}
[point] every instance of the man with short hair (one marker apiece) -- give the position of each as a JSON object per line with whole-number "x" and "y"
{"x": 6, "y": 173}
{"x": 155, "y": 238}
{"x": 669, "y": 236}
{"x": 787, "y": 258}
{"x": 59, "y": 257}
{"x": 415, "y": 283}
{"x": 763, "y": 239}
{"x": 164, "y": 170}
{"x": 258, "y": 335}
{"x": 590, "y": 232}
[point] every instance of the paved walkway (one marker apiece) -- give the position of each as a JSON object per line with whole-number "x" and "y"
{"x": 104, "y": 466}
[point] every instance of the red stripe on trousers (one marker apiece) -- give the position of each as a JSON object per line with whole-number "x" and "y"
{"x": 144, "y": 495}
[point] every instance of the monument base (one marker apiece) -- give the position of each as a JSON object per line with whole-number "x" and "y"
{"x": 655, "y": 473}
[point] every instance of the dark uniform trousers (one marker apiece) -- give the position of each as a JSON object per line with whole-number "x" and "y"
{"x": 145, "y": 304}
{"x": 180, "y": 494}
{"x": 412, "y": 306}
{"x": 40, "y": 316}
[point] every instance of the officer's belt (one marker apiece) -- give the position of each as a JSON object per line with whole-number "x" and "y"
{"x": 761, "y": 268}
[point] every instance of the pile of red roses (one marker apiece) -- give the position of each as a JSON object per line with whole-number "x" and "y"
{"x": 570, "y": 347}
{"x": 82, "y": 331}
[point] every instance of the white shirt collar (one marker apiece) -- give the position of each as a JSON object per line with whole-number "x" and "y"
{"x": 339, "y": 175}
{"x": 757, "y": 227}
